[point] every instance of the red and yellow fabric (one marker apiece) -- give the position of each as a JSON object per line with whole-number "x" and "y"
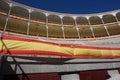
{"x": 19, "y": 46}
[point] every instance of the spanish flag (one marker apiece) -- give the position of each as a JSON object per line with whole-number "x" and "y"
{"x": 10, "y": 45}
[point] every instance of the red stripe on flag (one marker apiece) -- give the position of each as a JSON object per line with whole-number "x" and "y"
{"x": 51, "y": 53}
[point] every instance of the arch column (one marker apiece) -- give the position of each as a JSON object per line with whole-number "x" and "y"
{"x": 8, "y": 16}
{"x": 104, "y": 25}
{"x": 62, "y": 26}
{"x": 46, "y": 25}
{"x": 76, "y": 26}
{"x": 28, "y": 27}
{"x": 91, "y": 28}
{"x": 114, "y": 14}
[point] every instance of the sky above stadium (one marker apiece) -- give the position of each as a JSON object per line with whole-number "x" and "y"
{"x": 74, "y": 6}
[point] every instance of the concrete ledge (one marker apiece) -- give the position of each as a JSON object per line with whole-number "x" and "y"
{"x": 21, "y": 65}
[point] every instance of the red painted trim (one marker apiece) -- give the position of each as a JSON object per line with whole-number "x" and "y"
{"x": 26, "y": 40}
{"x": 49, "y": 53}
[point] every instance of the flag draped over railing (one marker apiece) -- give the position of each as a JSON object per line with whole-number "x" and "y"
{"x": 10, "y": 45}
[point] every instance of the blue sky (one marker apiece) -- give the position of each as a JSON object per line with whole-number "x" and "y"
{"x": 74, "y": 6}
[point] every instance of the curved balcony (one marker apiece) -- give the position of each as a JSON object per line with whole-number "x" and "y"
{"x": 20, "y": 19}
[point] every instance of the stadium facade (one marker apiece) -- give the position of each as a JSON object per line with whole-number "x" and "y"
{"x": 42, "y": 45}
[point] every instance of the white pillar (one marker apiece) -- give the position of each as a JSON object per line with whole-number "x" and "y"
{"x": 28, "y": 28}
{"x": 46, "y": 25}
{"x": 70, "y": 77}
{"x": 76, "y": 26}
{"x": 91, "y": 28}
{"x": 10, "y": 5}
{"x": 104, "y": 26}
{"x": 107, "y": 30}
{"x": 62, "y": 27}
{"x": 114, "y": 14}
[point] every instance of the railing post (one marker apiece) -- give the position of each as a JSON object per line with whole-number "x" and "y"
{"x": 1, "y": 59}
